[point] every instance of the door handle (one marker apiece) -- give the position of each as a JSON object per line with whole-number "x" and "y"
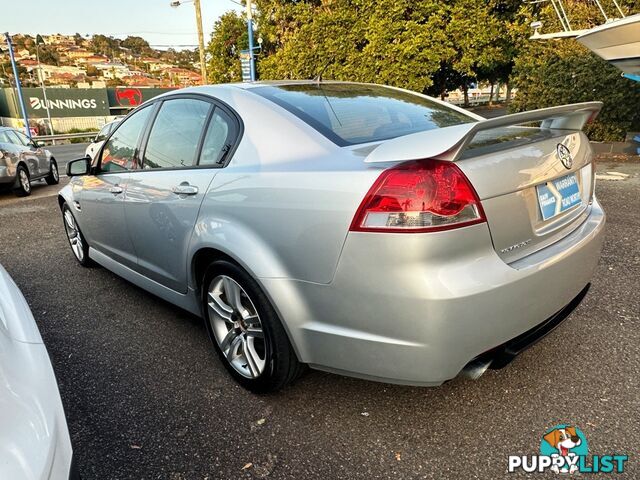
{"x": 185, "y": 189}
{"x": 116, "y": 189}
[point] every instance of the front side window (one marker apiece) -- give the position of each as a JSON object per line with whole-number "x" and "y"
{"x": 351, "y": 113}
{"x": 218, "y": 140}
{"x": 119, "y": 153}
{"x": 175, "y": 135}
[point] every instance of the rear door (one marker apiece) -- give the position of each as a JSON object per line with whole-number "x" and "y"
{"x": 187, "y": 140}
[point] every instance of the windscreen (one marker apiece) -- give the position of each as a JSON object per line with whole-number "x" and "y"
{"x": 350, "y": 114}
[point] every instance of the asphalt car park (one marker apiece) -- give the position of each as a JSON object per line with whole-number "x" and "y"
{"x": 146, "y": 396}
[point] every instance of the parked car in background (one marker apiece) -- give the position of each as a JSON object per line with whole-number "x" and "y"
{"x": 99, "y": 139}
{"x": 359, "y": 229}
{"x": 34, "y": 440}
{"x": 23, "y": 161}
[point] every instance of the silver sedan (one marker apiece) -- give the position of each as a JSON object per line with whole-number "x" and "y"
{"x": 22, "y": 161}
{"x": 354, "y": 228}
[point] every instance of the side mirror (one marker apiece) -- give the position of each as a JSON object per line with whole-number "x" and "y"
{"x": 82, "y": 166}
{"x": 35, "y": 144}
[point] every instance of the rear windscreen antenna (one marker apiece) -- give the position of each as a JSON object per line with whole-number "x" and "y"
{"x": 318, "y": 77}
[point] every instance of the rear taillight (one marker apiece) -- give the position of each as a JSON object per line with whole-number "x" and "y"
{"x": 419, "y": 196}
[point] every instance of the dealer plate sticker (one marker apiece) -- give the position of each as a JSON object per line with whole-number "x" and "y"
{"x": 558, "y": 195}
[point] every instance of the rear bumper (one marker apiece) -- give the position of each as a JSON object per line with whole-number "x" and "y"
{"x": 415, "y": 309}
{"x": 500, "y": 356}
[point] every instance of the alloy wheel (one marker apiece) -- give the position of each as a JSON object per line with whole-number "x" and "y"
{"x": 73, "y": 234}
{"x": 236, "y": 326}
{"x": 24, "y": 180}
{"x": 54, "y": 172}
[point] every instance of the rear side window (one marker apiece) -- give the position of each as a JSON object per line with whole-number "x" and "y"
{"x": 4, "y": 138}
{"x": 175, "y": 135}
{"x": 221, "y": 133}
{"x": 350, "y": 114}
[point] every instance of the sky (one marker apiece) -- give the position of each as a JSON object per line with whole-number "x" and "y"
{"x": 154, "y": 20}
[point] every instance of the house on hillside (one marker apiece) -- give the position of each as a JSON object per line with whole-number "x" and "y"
{"x": 183, "y": 77}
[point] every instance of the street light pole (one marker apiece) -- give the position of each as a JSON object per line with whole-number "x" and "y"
{"x": 252, "y": 58}
{"x": 18, "y": 86}
{"x": 39, "y": 41}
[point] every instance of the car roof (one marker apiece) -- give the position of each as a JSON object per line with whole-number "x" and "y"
{"x": 278, "y": 83}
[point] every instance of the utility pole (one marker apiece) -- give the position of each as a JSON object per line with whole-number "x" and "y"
{"x": 203, "y": 65}
{"x": 196, "y": 4}
{"x": 252, "y": 58}
{"x": 40, "y": 41}
{"x": 18, "y": 86}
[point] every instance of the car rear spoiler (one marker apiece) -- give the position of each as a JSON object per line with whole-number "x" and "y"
{"x": 448, "y": 143}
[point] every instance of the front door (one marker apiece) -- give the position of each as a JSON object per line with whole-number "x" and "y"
{"x": 164, "y": 197}
{"x": 102, "y": 196}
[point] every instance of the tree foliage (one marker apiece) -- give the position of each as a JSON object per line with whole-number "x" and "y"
{"x": 137, "y": 45}
{"x": 556, "y": 72}
{"x": 228, "y": 38}
{"x": 432, "y": 46}
{"x": 104, "y": 45}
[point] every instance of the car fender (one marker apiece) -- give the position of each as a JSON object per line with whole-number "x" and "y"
{"x": 236, "y": 241}
{"x": 66, "y": 194}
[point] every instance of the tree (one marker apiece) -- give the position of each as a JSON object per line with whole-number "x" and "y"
{"x": 49, "y": 55}
{"x": 104, "y": 45}
{"x": 92, "y": 71}
{"x": 566, "y": 72}
{"x": 394, "y": 42}
{"x": 137, "y": 45}
{"x": 228, "y": 38}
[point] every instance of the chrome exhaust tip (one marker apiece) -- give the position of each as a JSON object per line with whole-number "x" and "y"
{"x": 475, "y": 368}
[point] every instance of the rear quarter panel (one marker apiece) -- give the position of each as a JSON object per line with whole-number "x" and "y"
{"x": 283, "y": 205}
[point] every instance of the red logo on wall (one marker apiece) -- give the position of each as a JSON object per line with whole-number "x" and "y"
{"x": 128, "y": 97}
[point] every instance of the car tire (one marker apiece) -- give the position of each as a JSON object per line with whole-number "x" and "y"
{"x": 22, "y": 187}
{"x": 249, "y": 339}
{"x": 54, "y": 176}
{"x": 79, "y": 245}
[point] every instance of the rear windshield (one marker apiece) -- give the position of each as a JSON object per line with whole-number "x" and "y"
{"x": 349, "y": 114}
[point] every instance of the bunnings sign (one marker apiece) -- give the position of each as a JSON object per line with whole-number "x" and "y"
{"x": 62, "y": 102}
{"x": 76, "y": 102}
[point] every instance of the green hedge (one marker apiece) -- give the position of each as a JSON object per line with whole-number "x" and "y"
{"x": 558, "y": 72}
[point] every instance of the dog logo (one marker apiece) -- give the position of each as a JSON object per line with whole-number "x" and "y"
{"x": 132, "y": 97}
{"x": 566, "y": 442}
{"x": 564, "y": 154}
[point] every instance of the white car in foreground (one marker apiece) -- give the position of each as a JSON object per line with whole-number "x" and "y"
{"x": 34, "y": 440}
